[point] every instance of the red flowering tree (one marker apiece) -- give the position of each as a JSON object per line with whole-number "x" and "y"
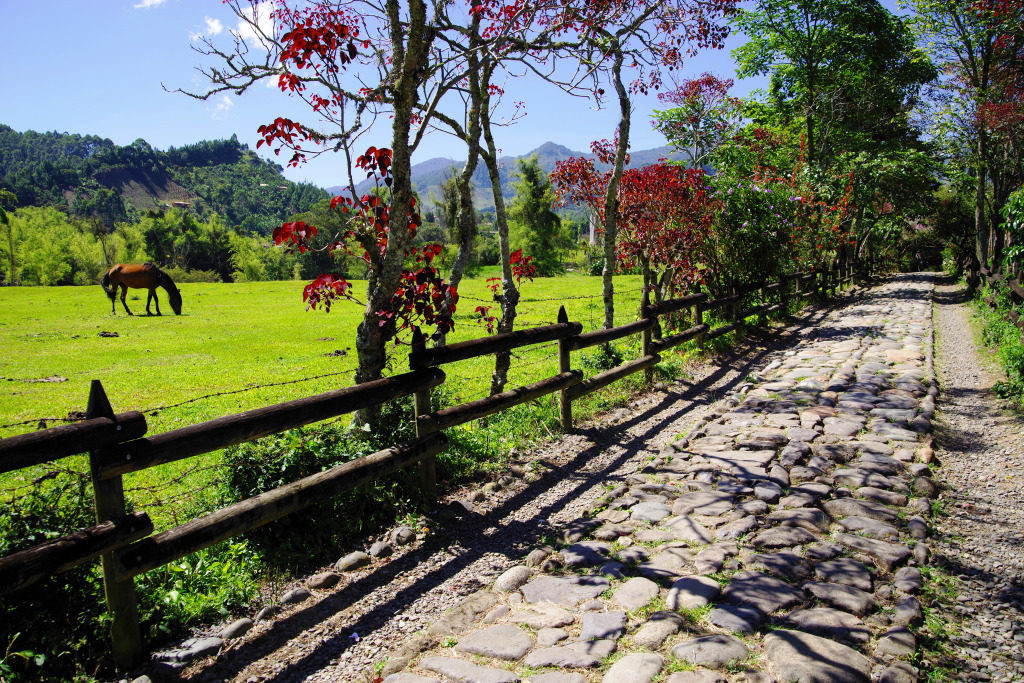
{"x": 666, "y": 212}
{"x": 604, "y": 43}
{"x": 351, "y": 63}
{"x": 422, "y": 297}
{"x": 703, "y": 116}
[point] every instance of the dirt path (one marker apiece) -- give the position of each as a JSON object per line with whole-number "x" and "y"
{"x": 342, "y": 633}
{"x": 981, "y": 541}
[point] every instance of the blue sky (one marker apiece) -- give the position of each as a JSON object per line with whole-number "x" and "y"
{"x": 100, "y": 67}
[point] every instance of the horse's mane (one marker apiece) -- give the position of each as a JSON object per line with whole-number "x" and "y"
{"x": 163, "y": 278}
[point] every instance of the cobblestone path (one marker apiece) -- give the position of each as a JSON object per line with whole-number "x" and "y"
{"x": 783, "y": 539}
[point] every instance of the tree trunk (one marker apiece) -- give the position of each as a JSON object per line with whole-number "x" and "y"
{"x": 509, "y": 297}
{"x": 410, "y": 42}
{"x": 611, "y": 202}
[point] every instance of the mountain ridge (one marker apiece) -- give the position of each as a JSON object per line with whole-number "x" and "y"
{"x": 428, "y": 175}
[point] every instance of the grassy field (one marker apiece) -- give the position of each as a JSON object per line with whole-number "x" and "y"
{"x": 235, "y": 347}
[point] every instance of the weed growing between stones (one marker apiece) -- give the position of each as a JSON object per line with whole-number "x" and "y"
{"x": 642, "y": 614}
{"x": 933, "y": 656}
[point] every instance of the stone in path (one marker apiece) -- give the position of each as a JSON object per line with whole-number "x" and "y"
{"x": 686, "y": 528}
{"x": 406, "y": 677}
{"x": 762, "y": 592}
{"x": 699, "y": 676}
{"x": 736, "y": 619}
{"x": 544, "y": 616}
{"x": 804, "y": 658}
{"x": 785, "y": 565}
{"x": 635, "y": 593}
{"x": 811, "y": 519}
{"x": 557, "y": 677}
{"x": 692, "y": 592}
{"x": 512, "y": 578}
{"x": 887, "y": 556}
{"x": 500, "y": 642}
{"x": 603, "y": 625}
{"x": 713, "y": 651}
{"x": 783, "y": 537}
{"x": 461, "y": 670}
{"x": 871, "y": 528}
{"x": 852, "y": 507}
{"x": 845, "y": 571}
{"x": 659, "y": 628}
{"x": 650, "y": 512}
{"x": 667, "y": 564}
{"x": 846, "y": 598}
{"x": 560, "y": 658}
{"x": 897, "y": 642}
{"x": 567, "y": 591}
{"x": 830, "y": 623}
{"x": 709, "y": 503}
{"x": 638, "y": 667}
{"x": 586, "y": 554}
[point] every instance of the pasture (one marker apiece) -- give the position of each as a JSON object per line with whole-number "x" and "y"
{"x": 235, "y": 347}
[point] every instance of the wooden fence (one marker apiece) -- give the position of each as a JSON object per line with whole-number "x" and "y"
{"x": 1012, "y": 287}
{"x": 117, "y": 443}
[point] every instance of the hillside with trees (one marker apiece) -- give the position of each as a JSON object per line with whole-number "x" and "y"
{"x": 91, "y": 177}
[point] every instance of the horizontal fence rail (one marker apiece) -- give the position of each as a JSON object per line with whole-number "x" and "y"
{"x": 235, "y": 429}
{"x": 47, "y": 445}
{"x": 118, "y": 444}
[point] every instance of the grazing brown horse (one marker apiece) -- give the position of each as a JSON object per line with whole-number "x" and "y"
{"x": 146, "y": 276}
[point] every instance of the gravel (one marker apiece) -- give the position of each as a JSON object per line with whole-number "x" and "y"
{"x": 981, "y": 541}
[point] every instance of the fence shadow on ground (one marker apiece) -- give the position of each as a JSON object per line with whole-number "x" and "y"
{"x": 513, "y": 538}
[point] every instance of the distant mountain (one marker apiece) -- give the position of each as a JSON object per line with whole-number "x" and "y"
{"x": 428, "y": 175}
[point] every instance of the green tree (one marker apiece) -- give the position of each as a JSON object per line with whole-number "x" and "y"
{"x": 534, "y": 227}
{"x": 845, "y": 67}
{"x": 10, "y": 240}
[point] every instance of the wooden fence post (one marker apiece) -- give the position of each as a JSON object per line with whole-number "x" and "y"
{"x": 645, "y": 337}
{"x": 564, "y": 365}
{"x": 108, "y": 500}
{"x": 421, "y": 407}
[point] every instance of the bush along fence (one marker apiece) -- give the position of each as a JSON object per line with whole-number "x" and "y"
{"x": 116, "y": 443}
{"x": 1012, "y": 288}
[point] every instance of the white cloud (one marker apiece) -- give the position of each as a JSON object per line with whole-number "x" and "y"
{"x": 146, "y": 4}
{"x": 213, "y": 27}
{"x": 260, "y": 15}
{"x": 220, "y": 112}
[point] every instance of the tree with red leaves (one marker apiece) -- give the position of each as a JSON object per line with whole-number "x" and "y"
{"x": 666, "y": 212}
{"x": 602, "y": 43}
{"x": 703, "y": 117}
{"x": 352, "y": 62}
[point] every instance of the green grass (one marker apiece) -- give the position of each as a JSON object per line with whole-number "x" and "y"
{"x": 243, "y": 346}
{"x": 246, "y": 338}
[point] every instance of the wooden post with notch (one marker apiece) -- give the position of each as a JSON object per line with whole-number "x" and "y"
{"x": 108, "y": 496}
{"x": 564, "y": 365}
{"x": 421, "y": 407}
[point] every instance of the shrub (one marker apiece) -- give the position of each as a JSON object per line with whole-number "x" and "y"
{"x": 180, "y": 275}
{"x": 302, "y": 539}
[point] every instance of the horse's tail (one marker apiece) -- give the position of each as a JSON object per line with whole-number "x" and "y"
{"x": 105, "y": 284}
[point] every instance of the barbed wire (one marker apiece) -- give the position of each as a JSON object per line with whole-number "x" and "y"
{"x": 617, "y": 292}
{"x": 79, "y": 416}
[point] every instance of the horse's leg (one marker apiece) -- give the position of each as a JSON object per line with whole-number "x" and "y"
{"x": 152, "y": 294}
{"x": 124, "y": 292}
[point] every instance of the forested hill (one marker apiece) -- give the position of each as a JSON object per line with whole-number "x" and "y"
{"x": 90, "y": 176}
